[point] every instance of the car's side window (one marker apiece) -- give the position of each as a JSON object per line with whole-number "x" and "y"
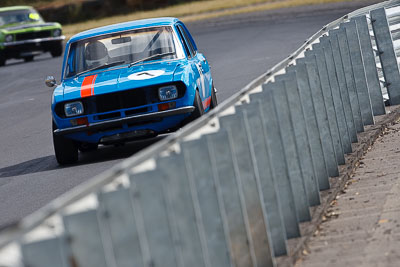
{"x": 183, "y": 42}
{"x": 188, "y": 38}
{"x": 188, "y": 45}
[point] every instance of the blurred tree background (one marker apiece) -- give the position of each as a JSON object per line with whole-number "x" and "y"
{"x": 71, "y": 11}
{"x": 23, "y": 2}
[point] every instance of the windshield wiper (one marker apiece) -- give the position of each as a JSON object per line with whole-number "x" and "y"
{"x": 106, "y": 65}
{"x": 151, "y": 57}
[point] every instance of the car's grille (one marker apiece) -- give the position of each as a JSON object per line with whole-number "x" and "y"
{"x": 120, "y": 100}
{"x": 32, "y": 35}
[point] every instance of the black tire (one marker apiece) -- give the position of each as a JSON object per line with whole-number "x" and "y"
{"x": 199, "y": 109}
{"x": 87, "y": 147}
{"x": 28, "y": 59}
{"x": 66, "y": 150}
{"x": 57, "y": 50}
{"x": 214, "y": 102}
{"x": 2, "y": 60}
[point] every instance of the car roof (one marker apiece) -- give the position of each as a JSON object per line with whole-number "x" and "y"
{"x": 12, "y": 8}
{"x": 130, "y": 25}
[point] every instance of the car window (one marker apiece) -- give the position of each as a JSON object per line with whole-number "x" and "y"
{"x": 188, "y": 40}
{"x": 154, "y": 43}
{"x": 185, "y": 44}
{"x": 19, "y": 17}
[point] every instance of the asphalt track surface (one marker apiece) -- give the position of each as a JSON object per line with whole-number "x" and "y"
{"x": 239, "y": 49}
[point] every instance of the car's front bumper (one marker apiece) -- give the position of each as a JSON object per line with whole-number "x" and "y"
{"x": 32, "y": 41}
{"x": 95, "y": 126}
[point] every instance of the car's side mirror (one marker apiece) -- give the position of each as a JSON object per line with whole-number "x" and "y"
{"x": 50, "y": 81}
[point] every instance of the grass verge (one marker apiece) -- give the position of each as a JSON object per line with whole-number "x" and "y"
{"x": 196, "y": 11}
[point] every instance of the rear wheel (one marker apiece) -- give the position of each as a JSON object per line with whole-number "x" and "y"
{"x": 28, "y": 59}
{"x": 66, "y": 150}
{"x": 57, "y": 50}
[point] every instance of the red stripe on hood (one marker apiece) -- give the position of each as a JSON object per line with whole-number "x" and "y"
{"x": 87, "y": 87}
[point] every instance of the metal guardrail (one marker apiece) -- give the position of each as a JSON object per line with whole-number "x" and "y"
{"x": 232, "y": 187}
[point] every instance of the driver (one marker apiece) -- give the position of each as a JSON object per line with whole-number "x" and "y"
{"x": 96, "y": 54}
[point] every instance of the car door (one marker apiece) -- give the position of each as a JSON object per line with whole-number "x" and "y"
{"x": 200, "y": 64}
{"x": 201, "y": 59}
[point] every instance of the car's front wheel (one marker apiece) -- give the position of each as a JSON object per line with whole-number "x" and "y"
{"x": 57, "y": 50}
{"x": 66, "y": 150}
{"x": 2, "y": 59}
{"x": 198, "y": 105}
{"x": 214, "y": 101}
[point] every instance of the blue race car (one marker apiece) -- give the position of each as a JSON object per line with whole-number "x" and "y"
{"x": 128, "y": 81}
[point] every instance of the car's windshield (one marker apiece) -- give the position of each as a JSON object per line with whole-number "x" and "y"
{"x": 18, "y": 17}
{"x": 153, "y": 43}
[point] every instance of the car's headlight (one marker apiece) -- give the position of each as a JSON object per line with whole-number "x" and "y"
{"x": 9, "y": 38}
{"x": 168, "y": 92}
{"x": 56, "y": 32}
{"x": 73, "y": 109}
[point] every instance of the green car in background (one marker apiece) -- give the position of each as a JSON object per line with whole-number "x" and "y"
{"x": 24, "y": 34}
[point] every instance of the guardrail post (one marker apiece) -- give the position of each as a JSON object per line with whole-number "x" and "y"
{"x": 344, "y": 91}
{"x": 387, "y": 54}
{"x": 197, "y": 159}
{"x": 359, "y": 72}
{"x": 184, "y": 211}
{"x": 249, "y": 181}
{"x": 269, "y": 190}
{"x": 330, "y": 108}
{"x": 85, "y": 239}
{"x": 374, "y": 86}
{"x": 278, "y": 161}
{"x": 300, "y": 193}
{"x": 317, "y": 155}
{"x": 116, "y": 213}
{"x": 45, "y": 253}
{"x": 234, "y": 210}
{"x": 321, "y": 115}
{"x": 336, "y": 95}
{"x": 159, "y": 245}
{"x": 302, "y": 143}
{"x": 349, "y": 75}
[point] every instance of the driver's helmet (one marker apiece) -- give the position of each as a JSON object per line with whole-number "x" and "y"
{"x": 96, "y": 54}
